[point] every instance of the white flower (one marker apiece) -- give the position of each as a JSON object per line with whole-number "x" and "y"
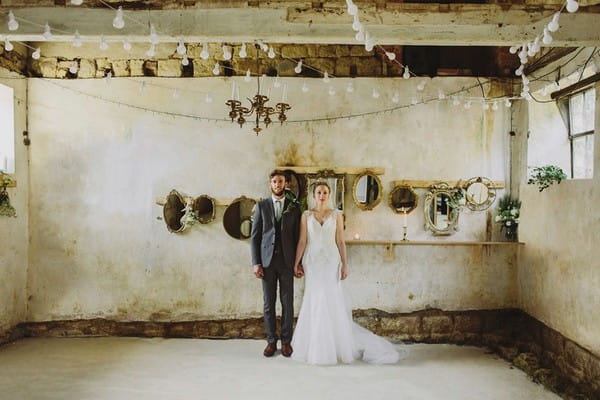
{"x": 514, "y": 211}
{"x": 508, "y": 223}
{"x": 498, "y": 218}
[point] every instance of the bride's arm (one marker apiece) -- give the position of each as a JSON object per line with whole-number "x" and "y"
{"x": 341, "y": 244}
{"x": 301, "y": 246}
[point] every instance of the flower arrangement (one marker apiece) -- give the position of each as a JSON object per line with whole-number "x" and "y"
{"x": 508, "y": 216}
{"x": 546, "y": 176}
{"x": 5, "y": 208}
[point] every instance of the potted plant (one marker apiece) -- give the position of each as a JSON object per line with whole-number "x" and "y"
{"x": 546, "y": 176}
{"x": 5, "y": 208}
{"x": 508, "y": 216}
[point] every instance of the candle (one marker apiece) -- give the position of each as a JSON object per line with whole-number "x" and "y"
{"x": 356, "y": 236}
{"x": 284, "y": 94}
{"x": 232, "y": 90}
{"x": 405, "y": 219}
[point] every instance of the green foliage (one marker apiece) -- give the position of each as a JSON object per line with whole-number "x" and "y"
{"x": 508, "y": 215}
{"x": 546, "y": 176}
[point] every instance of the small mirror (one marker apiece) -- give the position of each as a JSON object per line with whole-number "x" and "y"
{"x": 366, "y": 191}
{"x": 480, "y": 193}
{"x": 204, "y": 207}
{"x": 297, "y": 183}
{"x": 403, "y": 199}
{"x": 335, "y": 182}
{"x": 237, "y": 219}
{"x": 173, "y": 211}
{"x": 440, "y": 216}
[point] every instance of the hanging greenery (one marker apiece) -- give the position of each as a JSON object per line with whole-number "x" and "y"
{"x": 546, "y": 176}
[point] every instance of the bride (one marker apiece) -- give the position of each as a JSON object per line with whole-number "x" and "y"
{"x": 325, "y": 333}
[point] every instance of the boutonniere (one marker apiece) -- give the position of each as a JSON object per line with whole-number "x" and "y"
{"x": 292, "y": 202}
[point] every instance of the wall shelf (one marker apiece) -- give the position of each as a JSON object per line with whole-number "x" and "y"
{"x": 426, "y": 184}
{"x": 337, "y": 170}
{"x": 161, "y": 201}
{"x": 352, "y": 242}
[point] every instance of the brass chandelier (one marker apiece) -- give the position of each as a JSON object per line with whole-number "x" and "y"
{"x": 258, "y": 105}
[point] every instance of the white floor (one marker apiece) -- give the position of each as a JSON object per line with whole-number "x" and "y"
{"x": 136, "y": 368}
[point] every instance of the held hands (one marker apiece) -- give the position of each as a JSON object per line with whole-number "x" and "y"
{"x": 298, "y": 271}
{"x": 344, "y": 272}
{"x": 259, "y": 271}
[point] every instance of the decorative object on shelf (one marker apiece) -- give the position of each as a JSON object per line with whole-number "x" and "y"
{"x": 336, "y": 183}
{"x": 366, "y": 190}
{"x": 479, "y": 193}
{"x": 258, "y": 104}
{"x": 546, "y": 176}
{"x": 204, "y": 209}
{"x": 403, "y": 199}
{"x": 237, "y": 219}
{"x": 508, "y": 216}
{"x": 190, "y": 217}
{"x": 174, "y": 211}
{"x": 6, "y": 209}
{"x": 440, "y": 216}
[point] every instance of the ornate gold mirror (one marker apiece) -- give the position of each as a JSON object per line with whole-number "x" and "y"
{"x": 296, "y": 183}
{"x": 403, "y": 199}
{"x": 366, "y": 191}
{"x": 173, "y": 212}
{"x": 440, "y": 217}
{"x": 204, "y": 207}
{"x": 480, "y": 193}
{"x": 237, "y": 219}
{"x": 335, "y": 182}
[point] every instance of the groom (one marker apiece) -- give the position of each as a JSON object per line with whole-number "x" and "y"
{"x": 275, "y": 231}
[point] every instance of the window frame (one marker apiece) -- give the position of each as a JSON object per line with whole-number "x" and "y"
{"x": 578, "y": 135}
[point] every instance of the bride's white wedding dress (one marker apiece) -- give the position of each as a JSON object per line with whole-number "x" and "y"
{"x": 325, "y": 333}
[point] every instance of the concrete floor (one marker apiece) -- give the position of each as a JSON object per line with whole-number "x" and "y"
{"x": 166, "y": 369}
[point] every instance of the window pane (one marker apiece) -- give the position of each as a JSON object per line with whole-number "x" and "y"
{"x": 583, "y": 157}
{"x": 576, "y": 113}
{"x": 588, "y": 109}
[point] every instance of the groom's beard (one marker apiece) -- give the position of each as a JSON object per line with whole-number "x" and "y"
{"x": 278, "y": 194}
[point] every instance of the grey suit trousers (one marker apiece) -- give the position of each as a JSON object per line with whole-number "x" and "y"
{"x": 278, "y": 272}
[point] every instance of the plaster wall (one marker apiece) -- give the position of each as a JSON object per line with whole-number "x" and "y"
{"x": 559, "y": 267}
{"x": 14, "y": 231}
{"x": 100, "y": 249}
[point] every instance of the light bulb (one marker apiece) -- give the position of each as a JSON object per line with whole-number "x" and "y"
{"x": 421, "y": 86}
{"x": 525, "y": 79}
{"x": 77, "y": 2}
{"x": 176, "y": 94}
{"x": 553, "y": 25}
{"x": 523, "y": 60}
{"x": 352, "y": 9}
{"x": 413, "y": 101}
{"x": 485, "y": 105}
{"x": 325, "y": 77}
{"x": 126, "y": 44}
{"x": 519, "y": 71}
{"x": 13, "y": 25}
{"x": 36, "y": 54}
{"x": 455, "y": 101}
{"x": 151, "y": 51}
{"x": 396, "y": 98}
{"x": 298, "y": 68}
{"x": 103, "y": 44}
{"x": 536, "y": 45}
{"x": 391, "y": 56}
{"x": 47, "y": 32}
{"x": 513, "y": 49}
{"x": 247, "y": 78}
{"x": 204, "y": 53}
{"x": 243, "y": 52}
{"x": 271, "y": 53}
{"x": 530, "y": 50}
{"x": 369, "y": 42}
{"x": 406, "y": 73}
{"x": 350, "y": 87}
{"x": 153, "y": 34}
{"x": 216, "y": 69}
{"x": 507, "y": 103}
{"x": 118, "y": 21}
{"x": 107, "y": 78}
{"x": 226, "y": 52}
{"x": 360, "y": 35}
{"x": 185, "y": 61}
{"x": 331, "y": 91}
{"x": 277, "y": 84}
{"x": 77, "y": 40}
{"x": 264, "y": 46}
{"x": 467, "y": 105}
{"x": 181, "y": 50}
{"x": 572, "y": 6}
{"x": 356, "y": 25}
{"x": 8, "y": 46}
{"x": 375, "y": 93}
{"x": 143, "y": 87}
{"x": 527, "y": 96}
{"x": 547, "y": 38}
{"x": 304, "y": 87}
{"x": 74, "y": 67}
{"x": 441, "y": 95}
{"x": 208, "y": 98}
{"x": 495, "y": 106}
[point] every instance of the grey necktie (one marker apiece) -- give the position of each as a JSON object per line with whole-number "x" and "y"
{"x": 278, "y": 210}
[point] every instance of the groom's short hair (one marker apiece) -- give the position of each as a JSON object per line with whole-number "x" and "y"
{"x": 279, "y": 172}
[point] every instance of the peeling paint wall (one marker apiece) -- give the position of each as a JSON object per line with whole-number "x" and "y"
{"x": 14, "y": 231}
{"x": 99, "y": 248}
{"x": 559, "y": 267}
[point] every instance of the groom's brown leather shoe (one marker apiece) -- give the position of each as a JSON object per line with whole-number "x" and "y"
{"x": 286, "y": 349}
{"x": 270, "y": 349}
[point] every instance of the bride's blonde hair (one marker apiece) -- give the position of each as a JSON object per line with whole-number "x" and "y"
{"x": 320, "y": 183}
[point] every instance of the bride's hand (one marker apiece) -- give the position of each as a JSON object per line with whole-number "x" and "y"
{"x": 298, "y": 271}
{"x": 344, "y": 272}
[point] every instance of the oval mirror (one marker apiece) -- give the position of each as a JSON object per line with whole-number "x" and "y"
{"x": 296, "y": 184}
{"x": 480, "y": 193}
{"x": 173, "y": 211}
{"x": 237, "y": 219}
{"x": 366, "y": 191}
{"x": 403, "y": 199}
{"x": 440, "y": 216}
{"x": 204, "y": 207}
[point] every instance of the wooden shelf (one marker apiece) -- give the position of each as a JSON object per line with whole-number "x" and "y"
{"x": 425, "y": 243}
{"x": 337, "y": 170}
{"x": 426, "y": 184}
{"x": 161, "y": 201}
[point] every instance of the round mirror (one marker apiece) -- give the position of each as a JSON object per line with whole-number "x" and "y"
{"x": 173, "y": 212}
{"x": 237, "y": 219}
{"x": 403, "y": 199}
{"x": 480, "y": 193}
{"x": 366, "y": 191}
{"x": 440, "y": 216}
{"x": 204, "y": 207}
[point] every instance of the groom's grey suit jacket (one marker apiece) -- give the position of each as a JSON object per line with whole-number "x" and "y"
{"x": 262, "y": 239}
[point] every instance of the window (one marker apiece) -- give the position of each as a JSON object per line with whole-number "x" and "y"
{"x": 7, "y": 130}
{"x": 581, "y": 133}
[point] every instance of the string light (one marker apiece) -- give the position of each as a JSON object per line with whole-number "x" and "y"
{"x": 455, "y": 101}
{"x": 298, "y": 68}
{"x": 118, "y": 21}
{"x": 74, "y": 67}
{"x": 36, "y": 54}
{"x": 204, "y": 53}
{"x": 553, "y": 25}
{"x": 153, "y": 35}
{"x": 507, "y": 103}
{"x": 391, "y": 56}
{"x": 271, "y": 53}
{"x": 181, "y": 50}
{"x": 226, "y": 53}
{"x": 360, "y": 35}
{"x": 108, "y": 78}
{"x": 103, "y": 44}
{"x": 248, "y": 77}
{"x": 356, "y": 25}
{"x": 352, "y": 8}
{"x": 406, "y": 73}
{"x": 151, "y": 51}
{"x": 185, "y": 61}
{"x": 77, "y": 40}
{"x": 326, "y": 77}
{"x": 216, "y": 69}
{"x": 547, "y": 38}
{"x": 572, "y": 6}
{"x": 13, "y": 25}
{"x": 495, "y": 106}
{"x": 126, "y": 44}
{"x": 47, "y": 32}
{"x": 8, "y": 46}
{"x": 243, "y": 53}
{"x": 77, "y": 2}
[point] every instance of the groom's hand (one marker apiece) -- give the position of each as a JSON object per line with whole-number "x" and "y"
{"x": 259, "y": 271}
{"x": 299, "y": 271}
